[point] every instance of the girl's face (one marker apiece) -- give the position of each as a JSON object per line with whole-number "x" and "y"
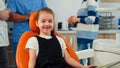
{"x": 45, "y": 23}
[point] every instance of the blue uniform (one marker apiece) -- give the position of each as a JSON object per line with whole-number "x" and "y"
{"x": 89, "y": 24}
{"x": 23, "y": 7}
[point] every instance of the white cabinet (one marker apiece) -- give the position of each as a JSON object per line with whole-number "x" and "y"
{"x": 70, "y": 36}
{"x": 106, "y": 36}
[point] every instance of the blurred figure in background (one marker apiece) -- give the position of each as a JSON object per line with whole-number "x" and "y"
{"x": 20, "y": 12}
{"x": 88, "y": 26}
{"x": 4, "y": 42}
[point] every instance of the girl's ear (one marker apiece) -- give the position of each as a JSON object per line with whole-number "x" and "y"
{"x": 36, "y": 22}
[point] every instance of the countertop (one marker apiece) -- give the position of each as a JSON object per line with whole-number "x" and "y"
{"x": 67, "y": 31}
{"x": 100, "y": 31}
{"x": 107, "y": 31}
{"x": 74, "y": 31}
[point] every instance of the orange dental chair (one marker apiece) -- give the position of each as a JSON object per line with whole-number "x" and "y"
{"x": 22, "y": 56}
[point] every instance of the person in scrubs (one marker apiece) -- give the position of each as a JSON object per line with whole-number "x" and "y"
{"x": 20, "y": 12}
{"x": 4, "y": 42}
{"x": 87, "y": 23}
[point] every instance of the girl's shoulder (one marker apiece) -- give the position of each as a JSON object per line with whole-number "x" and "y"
{"x": 61, "y": 41}
{"x": 32, "y": 38}
{"x": 59, "y": 38}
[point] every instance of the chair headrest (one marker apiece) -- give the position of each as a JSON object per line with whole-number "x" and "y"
{"x": 32, "y": 21}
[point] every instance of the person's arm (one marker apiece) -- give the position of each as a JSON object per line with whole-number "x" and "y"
{"x": 71, "y": 61}
{"x": 14, "y": 16}
{"x": 92, "y": 13}
{"x": 74, "y": 63}
{"x": 32, "y": 58}
{"x": 73, "y": 19}
{"x": 32, "y": 48}
{"x": 18, "y": 18}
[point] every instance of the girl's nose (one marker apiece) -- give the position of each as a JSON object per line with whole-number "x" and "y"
{"x": 47, "y": 23}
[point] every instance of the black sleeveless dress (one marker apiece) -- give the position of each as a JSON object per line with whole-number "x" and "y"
{"x": 50, "y": 54}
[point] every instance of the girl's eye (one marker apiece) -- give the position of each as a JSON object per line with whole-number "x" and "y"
{"x": 50, "y": 21}
{"x": 43, "y": 21}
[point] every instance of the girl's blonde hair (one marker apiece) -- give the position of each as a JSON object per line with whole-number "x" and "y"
{"x": 47, "y": 10}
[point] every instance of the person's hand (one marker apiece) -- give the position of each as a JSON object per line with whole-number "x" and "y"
{"x": 73, "y": 19}
{"x": 4, "y": 14}
{"x": 90, "y": 66}
{"x": 8, "y": 10}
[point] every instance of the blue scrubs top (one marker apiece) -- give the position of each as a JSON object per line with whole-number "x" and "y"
{"x": 23, "y": 7}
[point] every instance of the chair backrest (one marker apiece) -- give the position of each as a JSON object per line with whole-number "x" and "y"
{"x": 22, "y": 56}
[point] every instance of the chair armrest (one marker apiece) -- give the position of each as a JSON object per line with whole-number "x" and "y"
{"x": 83, "y": 54}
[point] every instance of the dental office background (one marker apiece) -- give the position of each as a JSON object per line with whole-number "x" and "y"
{"x": 66, "y": 8}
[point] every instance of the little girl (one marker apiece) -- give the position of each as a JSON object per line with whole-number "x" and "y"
{"x": 48, "y": 50}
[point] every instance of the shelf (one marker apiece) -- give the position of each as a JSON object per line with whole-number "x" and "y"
{"x": 110, "y": 0}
